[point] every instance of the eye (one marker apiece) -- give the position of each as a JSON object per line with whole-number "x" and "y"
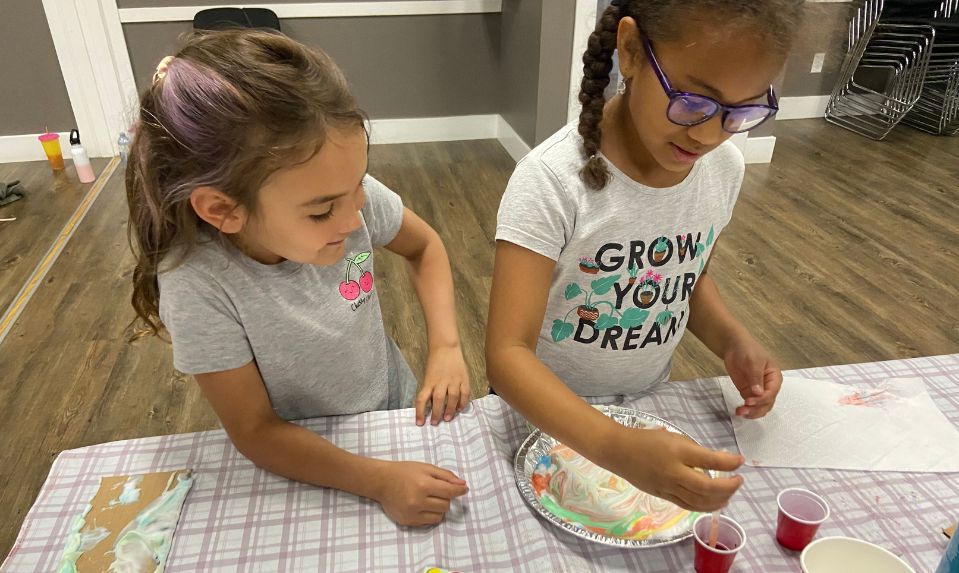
{"x": 323, "y": 216}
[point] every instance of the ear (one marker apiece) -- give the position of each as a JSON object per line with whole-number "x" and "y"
{"x": 218, "y": 209}
{"x": 629, "y": 47}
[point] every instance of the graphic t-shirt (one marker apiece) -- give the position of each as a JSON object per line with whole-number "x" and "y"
{"x": 315, "y": 332}
{"x": 627, "y": 260}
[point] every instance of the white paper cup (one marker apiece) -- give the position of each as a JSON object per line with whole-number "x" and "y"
{"x": 848, "y": 555}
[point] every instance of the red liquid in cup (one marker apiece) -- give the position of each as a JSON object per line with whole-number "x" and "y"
{"x": 800, "y": 515}
{"x": 720, "y": 558}
{"x": 707, "y": 561}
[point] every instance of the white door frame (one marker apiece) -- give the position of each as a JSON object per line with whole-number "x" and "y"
{"x": 96, "y": 69}
{"x": 583, "y": 24}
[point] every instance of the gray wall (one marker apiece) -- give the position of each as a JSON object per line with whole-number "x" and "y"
{"x": 556, "y": 44}
{"x": 403, "y": 66}
{"x": 825, "y": 30}
{"x": 515, "y": 63}
{"x": 537, "y": 38}
{"x": 32, "y": 93}
{"x": 521, "y": 29}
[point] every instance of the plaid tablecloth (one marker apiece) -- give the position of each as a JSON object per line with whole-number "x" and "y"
{"x": 239, "y": 518}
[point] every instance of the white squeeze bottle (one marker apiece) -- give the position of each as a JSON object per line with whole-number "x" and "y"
{"x": 80, "y": 159}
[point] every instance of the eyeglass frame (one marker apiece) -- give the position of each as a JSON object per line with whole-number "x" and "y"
{"x": 672, "y": 94}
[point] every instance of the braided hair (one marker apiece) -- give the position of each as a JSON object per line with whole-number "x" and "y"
{"x": 776, "y": 20}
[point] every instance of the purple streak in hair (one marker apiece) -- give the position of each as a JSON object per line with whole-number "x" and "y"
{"x": 192, "y": 95}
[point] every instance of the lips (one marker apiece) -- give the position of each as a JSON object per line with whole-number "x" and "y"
{"x": 683, "y": 154}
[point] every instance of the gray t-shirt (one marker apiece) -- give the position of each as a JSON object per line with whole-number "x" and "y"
{"x": 627, "y": 260}
{"x": 319, "y": 353}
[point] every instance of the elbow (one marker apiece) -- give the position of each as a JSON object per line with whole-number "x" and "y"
{"x": 251, "y": 441}
{"x": 432, "y": 248}
{"x": 246, "y": 446}
{"x": 498, "y": 359}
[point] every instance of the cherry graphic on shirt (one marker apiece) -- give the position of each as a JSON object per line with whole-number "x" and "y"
{"x": 350, "y": 289}
{"x": 366, "y": 281}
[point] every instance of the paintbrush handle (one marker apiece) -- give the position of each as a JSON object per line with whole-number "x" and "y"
{"x": 714, "y": 522}
{"x": 714, "y": 529}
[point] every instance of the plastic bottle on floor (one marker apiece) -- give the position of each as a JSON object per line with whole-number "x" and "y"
{"x": 123, "y": 142}
{"x": 80, "y": 159}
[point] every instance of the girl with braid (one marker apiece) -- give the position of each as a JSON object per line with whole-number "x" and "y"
{"x": 605, "y": 231}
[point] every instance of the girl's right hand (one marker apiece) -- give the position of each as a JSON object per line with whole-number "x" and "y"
{"x": 665, "y": 464}
{"x": 417, "y": 494}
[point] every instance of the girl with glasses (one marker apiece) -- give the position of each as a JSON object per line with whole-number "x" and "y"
{"x": 605, "y": 232}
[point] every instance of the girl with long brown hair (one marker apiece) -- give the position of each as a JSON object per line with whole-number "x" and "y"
{"x": 254, "y": 221}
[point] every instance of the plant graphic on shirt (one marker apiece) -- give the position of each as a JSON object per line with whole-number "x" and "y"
{"x": 647, "y": 287}
{"x": 659, "y": 249}
{"x": 700, "y": 248}
{"x": 350, "y": 289}
{"x": 588, "y": 265}
{"x": 664, "y": 316}
{"x": 589, "y": 310}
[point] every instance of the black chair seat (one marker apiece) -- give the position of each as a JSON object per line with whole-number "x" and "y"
{"x": 227, "y": 18}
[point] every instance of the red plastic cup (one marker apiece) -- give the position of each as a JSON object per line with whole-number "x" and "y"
{"x": 730, "y": 540}
{"x": 801, "y": 512}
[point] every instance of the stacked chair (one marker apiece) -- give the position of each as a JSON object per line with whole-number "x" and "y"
{"x": 902, "y": 65}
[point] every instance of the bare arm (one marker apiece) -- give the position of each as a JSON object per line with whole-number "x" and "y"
{"x": 660, "y": 463}
{"x": 521, "y": 280}
{"x": 754, "y": 372}
{"x": 446, "y": 377}
{"x": 410, "y": 493}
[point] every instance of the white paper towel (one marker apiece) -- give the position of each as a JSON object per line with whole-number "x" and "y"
{"x": 894, "y": 426}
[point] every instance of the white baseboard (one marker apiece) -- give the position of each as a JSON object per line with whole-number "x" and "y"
{"x": 16, "y": 148}
{"x": 510, "y": 140}
{"x": 454, "y": 128}
{"x": 423, "y": 129}
{"x": 338, "y": 9}
{"x": 803, "y": 107}
{"x": 760, "y": 149}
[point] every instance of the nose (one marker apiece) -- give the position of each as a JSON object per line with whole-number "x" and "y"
{"x": 709, "y": 133}
{"x": 349, "y": 222}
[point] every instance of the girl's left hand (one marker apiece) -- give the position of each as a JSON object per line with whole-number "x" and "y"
{"x": 755, "y": 374}
{"x": 447, "y": 386}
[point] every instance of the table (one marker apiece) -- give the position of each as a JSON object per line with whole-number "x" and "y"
{"x": 240, "y": 518}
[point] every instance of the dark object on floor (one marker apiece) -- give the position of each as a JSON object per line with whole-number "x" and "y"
{"x": 228, "y": 18}
{"x": 10, "y": 192}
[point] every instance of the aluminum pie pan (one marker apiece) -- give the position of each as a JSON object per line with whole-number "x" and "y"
{"x": 538, "y": 444}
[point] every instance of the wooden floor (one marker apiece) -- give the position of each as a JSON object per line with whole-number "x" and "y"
{"x": 843, "y": 250}
{"x": 50, "y": 201}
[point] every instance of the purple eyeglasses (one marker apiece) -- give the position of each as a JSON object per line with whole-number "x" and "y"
{"x": 690, "y": 109}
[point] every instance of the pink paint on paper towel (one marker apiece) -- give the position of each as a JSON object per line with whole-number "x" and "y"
{"x": 865, "y": 398}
